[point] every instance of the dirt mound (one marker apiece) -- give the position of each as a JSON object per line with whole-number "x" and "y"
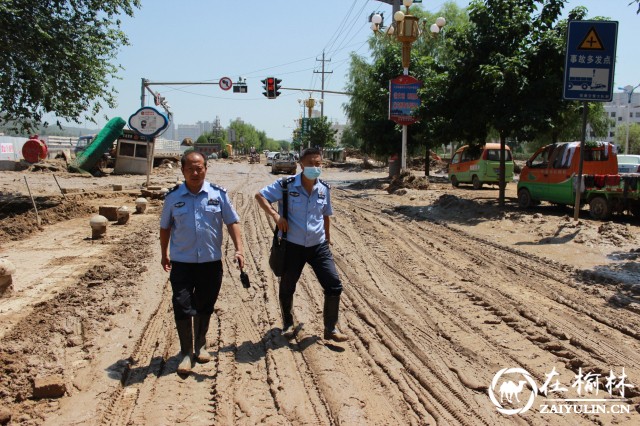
{"x": 436, "y": 165}
{"x": 50, "y": 165}
{"x": 18, "y": 219}
{"x": 407, "y": 181}
{"x": 370, "y": 184}
{"x": 615, "y": 233}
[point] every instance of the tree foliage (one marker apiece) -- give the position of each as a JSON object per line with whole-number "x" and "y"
{"x": 367, "y": 108}
{"x": 58, "y": 57}
{"x": 321, "y": 133}
{"x": 634, "y": 137}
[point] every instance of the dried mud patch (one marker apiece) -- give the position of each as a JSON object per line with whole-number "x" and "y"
{"x": 64, "y": 330}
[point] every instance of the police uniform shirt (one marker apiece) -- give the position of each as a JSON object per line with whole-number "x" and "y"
{"x": 306, "y": 212}
{"x": 196, "y": 222}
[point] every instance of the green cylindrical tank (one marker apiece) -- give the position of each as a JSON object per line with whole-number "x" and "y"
{"x": 102, "y": 143}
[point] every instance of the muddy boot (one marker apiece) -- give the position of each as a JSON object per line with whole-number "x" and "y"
{"x": 185, "y": 335}
{"x": 200, "y": 327}
{"x": 331, "y": 308}
{"x": 286, "y": 306}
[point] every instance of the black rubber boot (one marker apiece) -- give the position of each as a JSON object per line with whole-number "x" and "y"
{"x": 185, "y": 334}
{"x": 200, "y": 328}
{"x": 286, "y": 306}
{"x": 331, "y": 309}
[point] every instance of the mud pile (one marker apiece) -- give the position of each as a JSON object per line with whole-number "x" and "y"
{"x": 406, "y": 180}
{"x": 18, "y": 219}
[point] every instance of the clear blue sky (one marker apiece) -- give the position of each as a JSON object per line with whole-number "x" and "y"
{"x": 200, "y": 40}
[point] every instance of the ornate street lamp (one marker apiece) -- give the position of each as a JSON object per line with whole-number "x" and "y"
{"x": 309, "y": 103}
{"x": 406, "y": 30}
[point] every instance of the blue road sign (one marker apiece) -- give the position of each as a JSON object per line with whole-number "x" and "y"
{"x": 590, "y": 61}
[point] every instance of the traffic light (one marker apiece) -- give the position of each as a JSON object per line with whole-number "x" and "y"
{"x": 277, "y": 82}
{"x": 271, "y": 86}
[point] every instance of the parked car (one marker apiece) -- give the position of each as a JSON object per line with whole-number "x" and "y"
{"x": 628, "y": 163}
{"x": 479, "y": 165}
{"x": 270, "y": 157}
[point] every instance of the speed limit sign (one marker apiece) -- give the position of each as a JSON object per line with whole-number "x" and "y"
{"x": 225, "y": 83}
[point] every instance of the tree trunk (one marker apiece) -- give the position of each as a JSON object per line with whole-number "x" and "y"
{"x": 501, "y": 180}
{"x": 427, "y": 161}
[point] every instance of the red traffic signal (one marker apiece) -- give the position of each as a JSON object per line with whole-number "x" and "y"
{"x": 271, "y": 86}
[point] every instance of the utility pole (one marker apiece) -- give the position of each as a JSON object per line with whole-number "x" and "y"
{"x": 323, "y": 73}
{"x": 394, "y": 3}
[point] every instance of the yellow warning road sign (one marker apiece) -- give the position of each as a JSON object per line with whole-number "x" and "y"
{"x": 591, "y": 41}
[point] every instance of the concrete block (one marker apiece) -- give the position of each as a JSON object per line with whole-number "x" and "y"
{"x": 49, "y": 387}
{"x": 110, "y": 212}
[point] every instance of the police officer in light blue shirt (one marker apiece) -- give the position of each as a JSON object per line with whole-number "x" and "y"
{"x": 191, "y": 227}
{"x": 308, "y": 237}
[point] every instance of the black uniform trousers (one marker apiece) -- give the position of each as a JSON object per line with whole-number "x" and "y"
{"x": 320, "y": 259}
{"x": 195, "y": 288}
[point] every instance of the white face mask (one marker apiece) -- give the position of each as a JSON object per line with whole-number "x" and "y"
{"x": 311, "y": 172}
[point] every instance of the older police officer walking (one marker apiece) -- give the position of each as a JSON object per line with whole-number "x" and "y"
{"x": 191, "y": 220}
{"x": 308, "y": 238}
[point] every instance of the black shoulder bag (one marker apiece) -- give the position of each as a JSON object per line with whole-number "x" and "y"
{"x": 277, "y": 258}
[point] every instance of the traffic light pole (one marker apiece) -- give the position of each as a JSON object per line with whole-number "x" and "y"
{"x": 146, "y": 83}
{"x": 316, "y": 91}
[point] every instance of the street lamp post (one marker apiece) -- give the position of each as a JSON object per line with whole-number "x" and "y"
{"x": 406, "y": 31}
{"x": 629, "y": 91}
{"x": 309, "y": 103}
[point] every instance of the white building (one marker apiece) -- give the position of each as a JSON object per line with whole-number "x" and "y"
{"x": 619, "y": 110}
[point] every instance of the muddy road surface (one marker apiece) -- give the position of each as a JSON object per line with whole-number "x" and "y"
{"x": 443, "y": 292}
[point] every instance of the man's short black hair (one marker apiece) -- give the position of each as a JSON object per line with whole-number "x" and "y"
{"x": 183, "y": 159}
{"x": 310, "y": 151}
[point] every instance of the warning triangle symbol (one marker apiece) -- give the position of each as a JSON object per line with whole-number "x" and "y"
{"x": 591, "y": 41}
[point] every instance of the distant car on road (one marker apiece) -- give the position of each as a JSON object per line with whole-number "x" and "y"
{"x": 270, "y": 157}
{"x": 628, "y": 163}
{"x": 285, "y": 163}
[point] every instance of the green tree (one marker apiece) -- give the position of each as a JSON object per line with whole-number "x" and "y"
{"x": 496, "y": 79}
{"x": 321, "y": 133}
{"x": 567, "y": 126}
{"x": 58, "y": 57}
{"x": 634, "y": 137}
{"x": 245, "y": 136}
{"x": 367, "y": 108}
{"x": 350, "y": 138}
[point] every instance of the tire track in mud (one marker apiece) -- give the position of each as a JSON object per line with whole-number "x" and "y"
{"x": 400, "y": 341}
{"x": 147, "y": 360}
{"x": 561, "y": 276}
{"x": 257, "y": 341}
{"x": 446, "y": 239}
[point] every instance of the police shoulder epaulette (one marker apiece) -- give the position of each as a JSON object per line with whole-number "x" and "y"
{"x": 286, "y": 181}
{"x": 324, "y": 183}
{"x": 172, "y": 189}
{"x": 218, "y": 187}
